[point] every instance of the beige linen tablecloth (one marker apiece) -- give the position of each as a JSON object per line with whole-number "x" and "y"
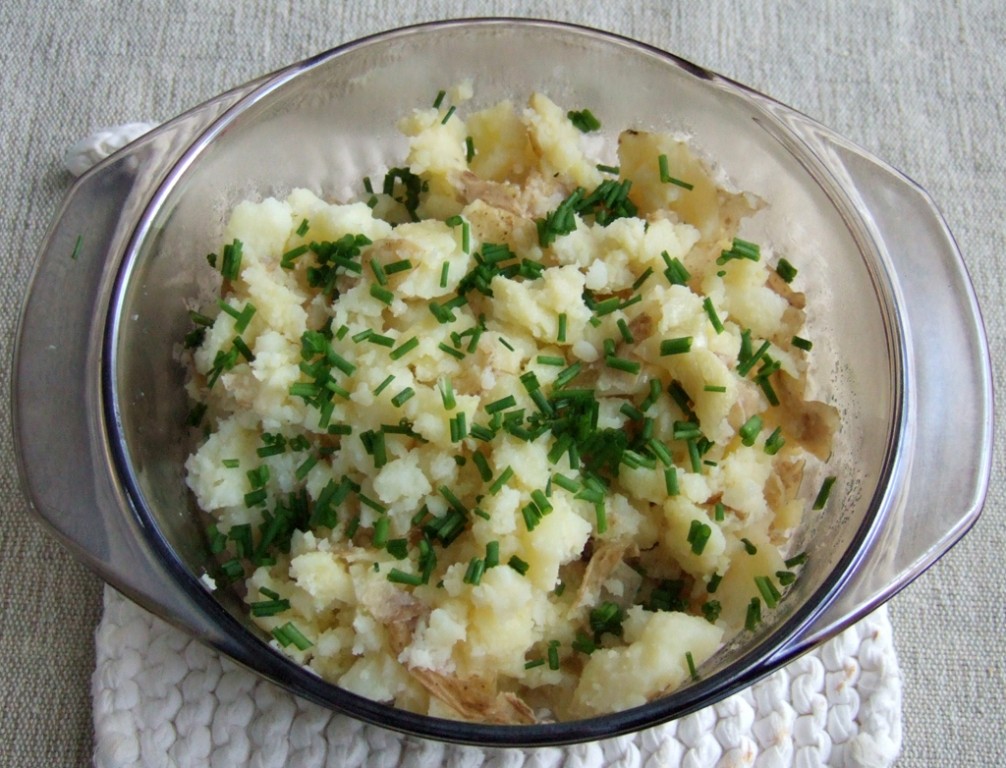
{"x": 921, "y": 85}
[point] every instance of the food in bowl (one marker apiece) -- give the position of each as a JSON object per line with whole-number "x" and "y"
{"x": 521, "y": 435}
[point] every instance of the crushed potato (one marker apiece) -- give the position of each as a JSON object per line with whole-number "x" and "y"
{"x": 521, "y": 436}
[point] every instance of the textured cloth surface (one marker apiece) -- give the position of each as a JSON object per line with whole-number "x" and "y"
{"x": 920, "y": 84}
{"x": 163, "y": 699}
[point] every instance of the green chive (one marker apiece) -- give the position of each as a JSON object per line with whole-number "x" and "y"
{"x": 469, "y": 149}
{"x": 768, "y": 591}
{"x": 518, "y": 565}
{"x": 822, "y": 495}
{"x": 676, "y": 346}
{"x": 400, "y": 399}
{"x": 500, "y": 481}
{"x": 401, "y": 577}
{"x": 456, "y": 353}
{"x": 749, "y": 431}
{"x": 785, "y": 270}
{"x": 801, "y": 343}
{"x": 502, "y": 404}
{"x": 753, "y": 617}
{"x": 381, "y": 387}
{"x": 448, "y": 115}
{"x": 404, "y": 348}
{"x": 561, "y": 336}
{"x": 621, "y": 364}
{"x": 439, "y": 100}
{"x": 713, "y": 317}
{"x": 381, "y": 294}
{"x": 691, "y": 665}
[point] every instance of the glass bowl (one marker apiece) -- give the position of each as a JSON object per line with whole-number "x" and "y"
{"x": 99, "y": 397}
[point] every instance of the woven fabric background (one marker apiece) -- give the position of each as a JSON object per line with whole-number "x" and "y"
{"x": 920, "y": 84}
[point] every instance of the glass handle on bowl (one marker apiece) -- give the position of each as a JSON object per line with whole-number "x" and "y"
{"x": 59, "y": 433}
{"x": 942, "y": 487}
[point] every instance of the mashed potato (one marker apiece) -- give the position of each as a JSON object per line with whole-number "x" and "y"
{"x": 518, "y": 437}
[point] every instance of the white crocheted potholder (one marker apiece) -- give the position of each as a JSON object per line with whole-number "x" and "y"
{"x": 164, "y": 699}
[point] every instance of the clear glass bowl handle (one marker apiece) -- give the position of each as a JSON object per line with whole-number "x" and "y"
{"x": 950, "y": 401}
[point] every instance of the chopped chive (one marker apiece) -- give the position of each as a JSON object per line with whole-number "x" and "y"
{"x": 541, "y": 501}
{"x": 76, "y": 247}
{"x": 302, "y": 229}
{"x": 680, "y": 183}
{"x": 713, "y": 317}
{"x": 381, "y": 526}
{"x": 785, "y": 270}
{"x": 306, "y": 467}
{"x": 369, "y": 502}
{"x": 398, "y": 576}
{"x": 665, "y": 174}
{"x": 469, "y": 149}
{"x": 749, "y": 431}
{"x": 518, "y": 565}
{"x": 719, "y": 512}
{"x": 671, "y": 481}
{"x": 691, "y": 665}
{"x": 676, "y": 346}
{"x": 714, "y": 388}
{"x": 485, "y": 472}
{"x": 289, "y": 634}
{"x": 379, "y": 274}
{"x": 466, "y": 237}
{"x": 444, "y": 269}
{"x": 768, "y": 591}
{"x": 404, "y": 348}
{"x": 287, "y": 260}
{"x": 621, "y": 364}
{"x": 612, "y": 169}
{"x": 400, "y": 399}
{"x": 750, "y": 548}
{"x": 675, "y": 273}
{"x": 506, "y": 344}
{"x": 785, "y": 577}
{"x": 745, "y": 364}
{"x": 796, "y": 560}
{"x": 500, "y": 481}
{"x": 625, "y": 331}
{"x": 561, "y": 335}
{"x": 534, "y": 663}
{"x": 584, "y": 120}
{"x": 714, "y": 583}
{"x": 397, "y": 266}
{"x": 500, "y": 405}
{"x": 476, "y": 567}
{"x": 381, "y": 294}
{"x": 381, "y": 387}
{"x": 457, "y": 353}
{"x": 231, "y": 463}
{"x": 601, "y": 517}
{"x": 448, "y": 115}
{"x": 447, "y": 393}
{"x": 642, "y": 279}
{"x": 553, "y": 654}
{"x": 774, "y": 442}
{"x": 801, "y": 343}
{"x": 693, "y": 454}
{"x": 711, "y": 610}
{"x": 439, "y": 100}
{"x": 363, "y": 335}
{"x": 554, "y": 360}
{"x": 381, "y": 340}
{"x": 822, "y": 495}
{"x": 566, "y": 483}
{"x": 698, "y": 535}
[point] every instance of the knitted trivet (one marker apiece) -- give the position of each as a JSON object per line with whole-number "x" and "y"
{"x": 163, "y": 699}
